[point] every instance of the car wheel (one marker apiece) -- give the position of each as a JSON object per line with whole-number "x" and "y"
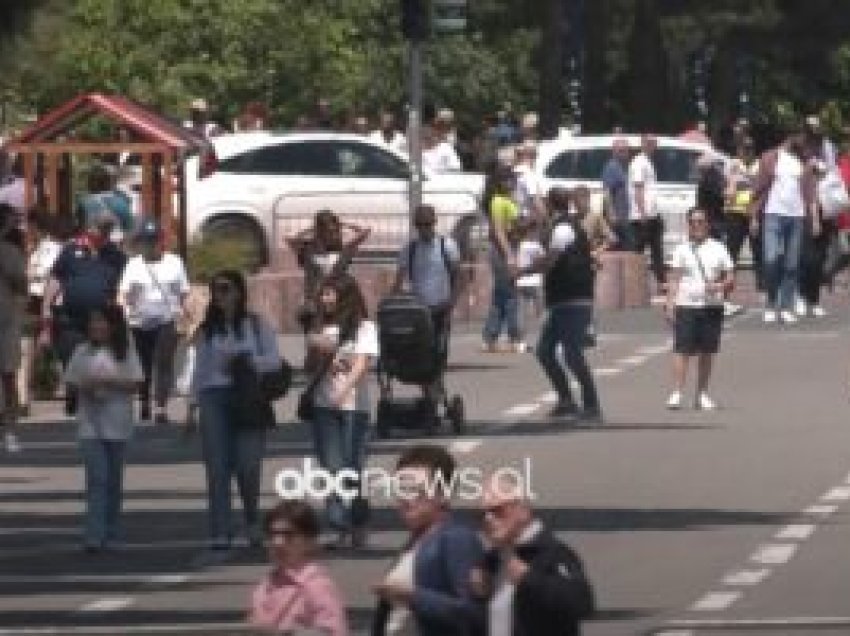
{"x": 244, "y": 230}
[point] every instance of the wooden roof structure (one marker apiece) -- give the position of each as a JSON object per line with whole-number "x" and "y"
{"x": 162, "y": 144}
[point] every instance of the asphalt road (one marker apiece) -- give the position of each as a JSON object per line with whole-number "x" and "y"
{"x": 690, "y": 523}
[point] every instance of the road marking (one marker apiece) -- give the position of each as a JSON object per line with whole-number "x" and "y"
{"x": 675, "y": 632}
{"x": 604, "y": 372}
{"x": 548, "y": 398}
{"x": 632, "y": 361}
{"x": 112, "y": 604}
{"x": 820, "y": 510}
{"x": 156, "y": 579}
{"x": 774, "y": 554}
{"x": 795, "y": 532}
{"x": 111, "y": 630}
{"x": 842, "y": 493}
{"x": 798, "y": 622}
{"x": 716, "y": 601}
{"x": 167, "y": 579}
{"x": 653, "y": 350}
{"x": 464, "y": 446}
{"x": 746, "y": 577}
{"x": 521, "y": 410}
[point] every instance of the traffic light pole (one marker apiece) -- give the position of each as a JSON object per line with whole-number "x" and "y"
{"x": 414, "y": 134}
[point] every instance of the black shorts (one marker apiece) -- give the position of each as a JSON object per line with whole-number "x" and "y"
{"x": 698, "y": 329}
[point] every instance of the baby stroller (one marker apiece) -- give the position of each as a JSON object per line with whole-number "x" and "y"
{"x": 410, "y": 353}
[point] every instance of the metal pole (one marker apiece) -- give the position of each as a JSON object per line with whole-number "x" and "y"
{"x": 414, "y": 135}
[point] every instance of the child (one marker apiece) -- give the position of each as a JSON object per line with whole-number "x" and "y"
{"x": 106, "y": 372}
{"x": 298, "y": 595}
{"x": 529, "y": 287}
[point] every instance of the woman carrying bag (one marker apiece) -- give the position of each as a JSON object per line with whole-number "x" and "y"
{"x": 233, "y": 344}
{"x": 336, "y": 402}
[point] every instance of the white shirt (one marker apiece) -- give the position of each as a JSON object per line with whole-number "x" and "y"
{"x": 154, "y": 291}
{"x": 398, "y": 141}
{"x": 104, "y": 413}
{"x": 430, "y": 279}
{"x": 365, "y": 342}
{"x": 213, "y": 355}
{"x": 40, "y": 264}
{"x": 528, "y": 187}
{"x": 528, "y": 252}
{"x": 502, "y": 604}
{"x": 641, "y": 171}
{"x": 400, "y": 621}
{"x": 441, "y": 158}
{"x": 715, "y": 261}
{"x": 563, "y": 236}
{"x": 786, "y": 194}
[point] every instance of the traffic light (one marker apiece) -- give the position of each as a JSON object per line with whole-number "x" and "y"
{"x": 415, "y": 19}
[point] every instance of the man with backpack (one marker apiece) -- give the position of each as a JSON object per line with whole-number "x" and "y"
{"x": 569, "y": 282}
{"x": 431, "y": 263}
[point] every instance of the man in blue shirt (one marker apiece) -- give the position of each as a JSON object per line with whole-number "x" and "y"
{"x": 615, "y": 181}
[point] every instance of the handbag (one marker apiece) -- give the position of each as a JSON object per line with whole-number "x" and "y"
{"x": 832, "y": 195}
{"x": 274, "y": 384}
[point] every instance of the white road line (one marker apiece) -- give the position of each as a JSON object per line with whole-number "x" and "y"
{"x": 653, "y": 350}
{"x": 842, "y": 493}
{"x": 716, "y": 601}
{"x": 114, "y": 579}
{"x": 632, "y": 361}
{"x": 548, "y": 398}
{"x": 746, "y": 577}
{"x": 109, "y": 604}
{"x": 167, "y": 579}
{"x": 798, "y": 622}
{"x": 774, "y": 554}
{"x": 464, "y": 446}
{"x": 675, "y": 632}
{"x": 111, "y": 630}
{"x": 796, "y": 532}
{"x": 820, "y": 510}
{"x": 604, "y": 372}
{"x": 521, "y": 410}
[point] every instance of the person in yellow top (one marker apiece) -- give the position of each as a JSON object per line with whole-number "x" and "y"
{"x": 503, "y": 214}
{"x": 740, "y": 181}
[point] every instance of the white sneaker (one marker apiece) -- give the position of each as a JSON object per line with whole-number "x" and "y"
{"x": 789, "y": 317}
{"x": 801, "y": 308}
{"x": 769, "y": 316}
{"x": 705, "y": 403}
{"x": 12, "y": 443}
{"x": 674, "y": 402}
{"x": 818, "y": 312}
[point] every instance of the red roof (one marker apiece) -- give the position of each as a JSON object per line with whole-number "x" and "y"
{"x": 147, "y": 124}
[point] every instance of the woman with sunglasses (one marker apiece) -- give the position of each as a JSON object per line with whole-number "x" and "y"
{"x": 299, "y": 593}
{"x": 344, "y": 345}
{"x": 231, "y": 336}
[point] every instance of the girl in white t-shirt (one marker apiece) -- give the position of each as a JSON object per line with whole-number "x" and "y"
{"x": 344, "y": 345}
{"x": 106, "y": 372}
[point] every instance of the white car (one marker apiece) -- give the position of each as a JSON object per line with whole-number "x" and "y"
{"x": 263, "y": 187}
{"x": 573, "y": 161}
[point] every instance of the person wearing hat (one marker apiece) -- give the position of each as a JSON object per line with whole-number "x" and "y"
{"x": 153, "y": 291}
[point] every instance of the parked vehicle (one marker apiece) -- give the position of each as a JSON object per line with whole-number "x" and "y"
{"x": 261, "y": 187}
{"x": 573, "y": 161}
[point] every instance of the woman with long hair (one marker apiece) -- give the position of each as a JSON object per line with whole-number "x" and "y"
{"x": 230, "y": 337}
{"x": 344, "y": 345}
{"x": 105, "y": 371}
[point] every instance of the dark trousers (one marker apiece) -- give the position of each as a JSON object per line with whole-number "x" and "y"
{"x": 156, "y": 349}
{"x": 650, "y": 233}
{"x": 736, "y": 234}
{"x": 812, "y": 262}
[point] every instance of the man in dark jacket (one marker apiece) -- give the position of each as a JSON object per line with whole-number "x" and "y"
{"x": 536, "y": 584}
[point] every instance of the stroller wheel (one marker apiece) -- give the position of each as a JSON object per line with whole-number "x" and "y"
{"x": 382, "y": 420}
{"x": 456, "y": 414}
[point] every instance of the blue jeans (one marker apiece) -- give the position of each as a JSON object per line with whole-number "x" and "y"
{"x": 783, "y": 237}
{"x": 504, "y": 306}
{"x": 341, "y": 439}
{"x": 229, "y": 449}
{"x": 104, "y": 463}
{"x": 567, "y": 326}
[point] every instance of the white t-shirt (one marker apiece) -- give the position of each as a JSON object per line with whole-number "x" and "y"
{"x": 400, "y": 621}
{"x": 528, "y": 187}
{"x": 104, "y": 413}
{"x": 398, "y": 142}
{"x": 154, "y": 291}
{"x": 40, "y": 264}
{"x": 563, "y": 236}
{"x": 786, "y": 196}
{"x": 692, "y": 284}
{"x": 441, "y": 158}
{"x": 430, "y": 279}
{"x": 365, "y": 342}
{"x": 528, "y": 252}
{"x": 641, "y": 171}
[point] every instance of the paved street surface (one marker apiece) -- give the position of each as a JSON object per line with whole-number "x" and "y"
{"x": 690, "y": 523}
